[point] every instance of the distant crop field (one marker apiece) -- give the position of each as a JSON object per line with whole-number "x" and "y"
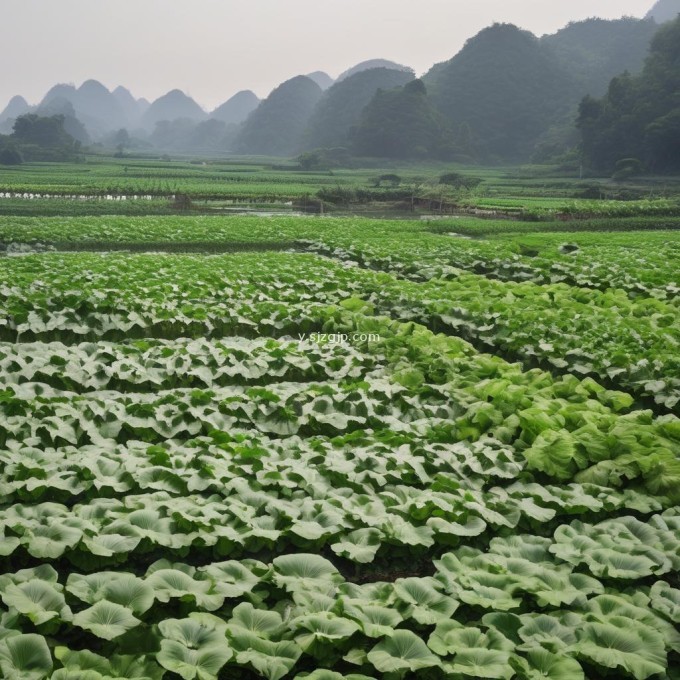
{"x": 139, "y": 186}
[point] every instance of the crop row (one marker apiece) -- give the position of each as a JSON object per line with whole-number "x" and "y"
{"x": 629, "y": 344}
{"x": 150, "y": 365}
{"x": 469, "y": 619}
{"x": 562, "y": 426}
{"x": 239, "y": 495}
{"x": 642, "y": 264}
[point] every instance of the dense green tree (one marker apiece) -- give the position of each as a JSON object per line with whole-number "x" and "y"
{"x": 45, "y": 131}
{"x": 639, "y": 117}
{"x": 42, "y": 138}
{"x": 339, "y": 110}
{"x": 10, "y": 155}
{"x": 402, "y": 123}
{"x": 59, "y": 106}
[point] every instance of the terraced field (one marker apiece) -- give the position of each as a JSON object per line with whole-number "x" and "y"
{"x": 373, "y": 452}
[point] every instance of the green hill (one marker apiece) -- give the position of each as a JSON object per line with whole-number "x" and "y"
{"x": 275, "y": 127}
{"x": 506, "y": 87}
{"x": 340, "y": 107}
{"x": 402, "y": 123}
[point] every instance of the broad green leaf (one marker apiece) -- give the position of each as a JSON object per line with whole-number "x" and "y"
{"x": 359, "y": 546}
{"x": 261, "y": 622}
{"x": 540, "y": 663}
{"x": 203, "y": 663}
{"x": 666, "y": 600}
{"x": 638, "y": 650}
{"x": 401, "y": 651}
{"x": 376, "y": 621}
{"x": 325, "y": 628}
{"x": 106, "y": 620}
{"x": 272, "y": 659}
{"x": 39, "y": 600}
{"x": 549, "y": 632}
{"x": 428, "y": 606}
{"x": 196, "y": 631}
{"x": 321, "y": 674}
{"x": 305, "y": 572}
{"x": 173, "y": 583}
{"x": 25, "y": 657}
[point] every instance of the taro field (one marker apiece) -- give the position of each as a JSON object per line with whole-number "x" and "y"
{"x": 361, "y": 450}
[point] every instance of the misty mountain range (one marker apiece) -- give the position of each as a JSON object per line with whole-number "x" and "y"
{"x": 506, "y": 92}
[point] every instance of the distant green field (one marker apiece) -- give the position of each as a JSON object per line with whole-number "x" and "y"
{"x": 527, "y": 193}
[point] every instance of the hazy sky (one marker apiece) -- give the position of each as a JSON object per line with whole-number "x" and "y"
{"x": 213, "y": 48}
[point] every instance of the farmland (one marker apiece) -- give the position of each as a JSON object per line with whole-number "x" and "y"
{"x": 302, "y": 447}
{"x": 103, "y": 184}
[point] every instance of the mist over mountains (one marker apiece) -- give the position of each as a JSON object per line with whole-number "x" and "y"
{"x": 506, "y": 96}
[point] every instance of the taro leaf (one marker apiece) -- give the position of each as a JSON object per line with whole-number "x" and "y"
{"x": 666, "y": 600}
{"x": 303, "y": 571}
{"x": 401, "y": 651}
{"x": 359, "y": 546}
{"x": 8, "y": 544}
{"x": 117, "y": 666}
{"x": 637, "y": 649}
{"x": 548, "y": 632}
{"x": 540, "y": 663}
{"x": 376, "y": 621}
{"x": 490, "y": 596}
{"x": 609, "y": 563}
{"x": 109, "y": 544}
{"x": 106, "y": 620}
{"x": 620, "y": 611}
{"x": 39, "y": 600}
{"x": 130, "y": 592}
{"x": 428, "y": 606}
{"x": 325, "y": 627}
{"x": 554, "y": 588}
{"x": 450, "y": 637}
{"x": 322, "y": 674}
{"x": 507, "y": 624}
{"x": 481, "y": 663}
{"x": 88, "y": 588}
{"x": 554, "y": 452}
{"x": 173, "y": 583}
{"x": 119, "y": 587}
{"x": 324, "y": 524}
{"x": 271, "y": 659}
{"x": 44, "y": 572}
{"x": 473, "y": 526}
{"x": 50, "y": 542}
{"x": 404, "y": 533}
{"x": 196, "y": 631}
{"x": 234, "y": 578}
{"x": 25, "y": 657}
{"x": 260, "y": 622}
{"x": 357, "y": 656}
{"x": 203, "y": 663}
